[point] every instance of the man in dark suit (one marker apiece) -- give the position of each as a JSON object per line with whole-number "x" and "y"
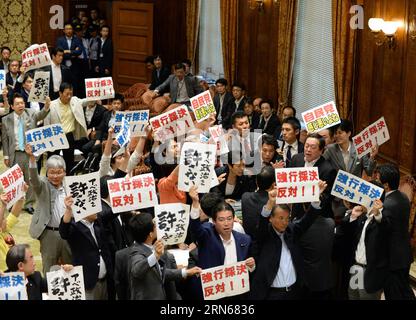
{"x": 88, "y": 242}
{"x": 253, "y": 117}
{"x": 72, "y": 50}
{"x": 59, "y": 73}
{"x": 5, "y": 58}
{"x": 181, "y": 87}
{"x": 269, "y": 122}
{"x": 159, "y": 72}
{"x": 105, "y": 53}
{"x": 253, "y": 202}
{"x": 218, "y": 244}
{"x": 13, "y": 74}
{"x": 396, "y": 211}
{"x": 152, "y": 271}
{"x": 221, "y": 99}
{"x": 279, "y": 273}
{"x": 94, "y": 116}
{"x": 234, "y": 105}
{"x": 122, "y": 273}
{"x": 367, "y": 251}
{"x": 291, "y": 144}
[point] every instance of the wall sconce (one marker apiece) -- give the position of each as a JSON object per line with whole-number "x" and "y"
{"x": 412, "y": 28}
{"x": 389, "y": 29}
{"x": 256, "y": 4}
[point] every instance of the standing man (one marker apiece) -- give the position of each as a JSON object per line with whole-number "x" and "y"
{"x": 68, "y": 111}
{"x": 5, "y": 59}
{"x": 221, "y": 99}
{"x": 396, "y": 210}
{"x": 50, "y": 196}
{"x": 105, "y": 53}
{"x": 59, "y": 73}
{"x": 14, "y": 126}
{"x": 181, "y": 87}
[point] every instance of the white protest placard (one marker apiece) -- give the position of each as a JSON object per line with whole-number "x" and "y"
{"x": 218, "y": 137}
{"x": 36, "y": 56}
{"x": 225, "y": 281}
{"x": 203, "y": 106}
{"x": 13, "y": 286}
{"x": 66, "y": 285}
{"x": 40, "y": 87}
{"x": 172, "y": 222}
{"x": 123, "y": 137}
{"x": 181, "y": 256}
{"x": 356, "y": 190}
{"x": 99, "y": 89}
{"x": 2, "y": 80}
{"x": 47, "y": 138}
{"x": 127, "y": 194}
{"x": 12, "y": 182}
{"x": 297, "y": 185}
{"x": 138, "y": 120}
{"x": 86, "y": 192}
{"x": 375, "y": 134}
{"x": 321, "y": 117}
{"x": 196, "y": 166}
{"x": 171, "y": 124}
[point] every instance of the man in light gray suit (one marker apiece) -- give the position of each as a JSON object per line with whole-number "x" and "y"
{"x": 14, "y": 126}
{"x": 343, "y": 156}
{"x": 50, "y": 195}
{"x": 181, "y": 87}
{"x": 152, "y": 271}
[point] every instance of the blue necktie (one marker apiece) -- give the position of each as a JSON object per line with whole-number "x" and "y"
{"x": 21, "y": 134}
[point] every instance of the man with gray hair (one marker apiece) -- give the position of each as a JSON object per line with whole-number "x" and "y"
{"x": 50, "y": 194}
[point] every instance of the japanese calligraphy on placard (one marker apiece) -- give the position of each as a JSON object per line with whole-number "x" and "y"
{"x": 225, "y": 281}
{"x": 36, "y": 56}
{"x": 127, "y": 194}
{"x": 2, "y": 80}
{"x": 99, "y": 89}
{"x": 137, "y": 120}
{"x": 40, "y": 87}
{"x": 13, "y": 286}
{"x": 356, "y": 190}
{"x": 66, "y": 285}
{"x": 85, "y": 190}
{"x": 203, "y": 106}
{"x": 12, "y": 182}
{"x": 321, "y": 117}
{"x": 47, "y": 138}
{"x": 173, "y": 123}
{"x": 375, "y": 134}
{"x": 172, "y": 222}
{"x": 196, "y": 166}
{"x": 297, "y": 185}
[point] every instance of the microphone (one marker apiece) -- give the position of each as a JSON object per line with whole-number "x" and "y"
{"x": 89, "y": 157}
{"x": 77, "y": 167}
{"x": 92, "y": 164}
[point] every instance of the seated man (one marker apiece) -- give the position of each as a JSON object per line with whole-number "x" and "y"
{"x": 269, "y": 122}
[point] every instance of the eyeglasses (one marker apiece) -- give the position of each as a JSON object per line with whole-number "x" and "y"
{"x": 229, "y": 219}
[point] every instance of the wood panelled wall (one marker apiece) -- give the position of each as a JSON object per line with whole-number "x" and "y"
{"x": 169, "y": 35}
{"x": 385, "y": 83}
{"x": 257, "y": 50}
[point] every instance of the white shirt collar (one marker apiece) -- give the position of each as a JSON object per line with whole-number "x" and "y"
{"x": 227, "y": 242}
{"x": 312, "y": 163}
{"x": 349, "y": 147}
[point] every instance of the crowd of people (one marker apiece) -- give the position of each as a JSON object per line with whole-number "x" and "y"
{"x": 296, "y": 251}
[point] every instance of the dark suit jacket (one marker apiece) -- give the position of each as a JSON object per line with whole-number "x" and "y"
{"x": 254, "y": 120}
{"x": 244, "y": 184}
{"x": 272, "y": 125}
{"x": 326, "y": 173}
{"x": 85, "y": 251}
{"x": 252, "y": 204}
{"x": 227, "y": 98}
{"x": 75, "y": 44}
{"x": 376, "y": 248}
{"x": 35, "y": 286}
{"x": 148, "y": 283}
{"x": 230, "y": 109}
{"x": 158, "y": 80}
{"x": 316, "y": 246}
{"x": 97, "y": 117}
{"x": 122, "y": 274}
{"x": 269, "y": 248}
{"x": 66, "y": 77}
{"x": 106, "y": 60}
{"x": 9, "y": 79}
{"x": 396, "y": 211}
{"x": 102, "y": 130}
